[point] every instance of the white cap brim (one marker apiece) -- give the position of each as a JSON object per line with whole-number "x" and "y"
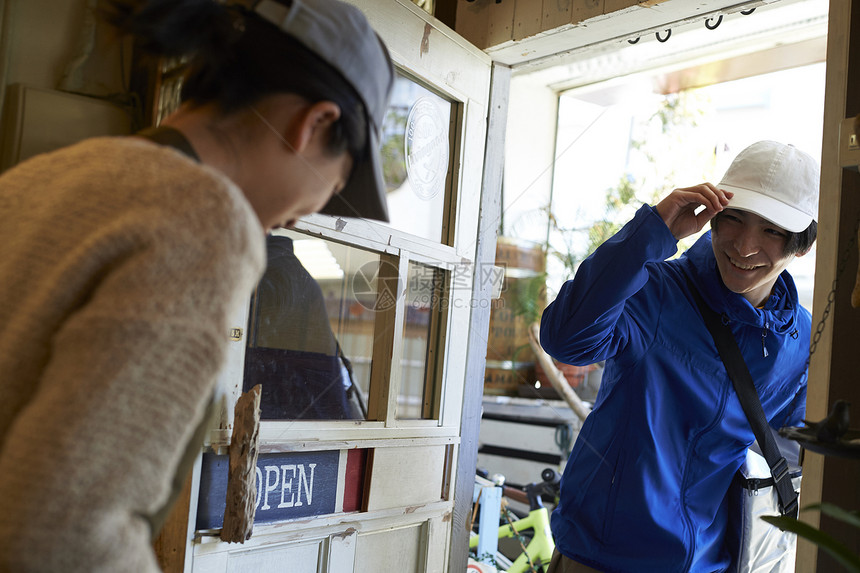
{"x": 777, "y": 212}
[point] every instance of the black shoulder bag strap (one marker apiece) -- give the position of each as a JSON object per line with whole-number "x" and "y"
{"x": 170, "y": 137}
{"x": 737, "y": 369}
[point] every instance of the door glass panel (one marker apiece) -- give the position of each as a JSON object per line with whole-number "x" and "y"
{"x": 310, "y": 332}
{"x": 416, "y": 158}
{"x": 420, "y": 327}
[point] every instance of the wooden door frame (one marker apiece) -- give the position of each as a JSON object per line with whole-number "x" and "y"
{"x": 485, "y": 254}
{"x": 834, "y": 364}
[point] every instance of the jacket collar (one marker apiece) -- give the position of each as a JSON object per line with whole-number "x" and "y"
{"x": 779, "y": 310}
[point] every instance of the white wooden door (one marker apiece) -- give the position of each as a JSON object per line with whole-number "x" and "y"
{"x": 364, "y": 483}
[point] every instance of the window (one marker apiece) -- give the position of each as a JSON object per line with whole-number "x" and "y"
{"x": 310, "y": 332}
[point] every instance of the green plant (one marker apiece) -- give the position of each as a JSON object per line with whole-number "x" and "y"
{"x": 392, "y": 149}
{"x": 662, "y": 142}
{"x": 663, "y": 155}
{"x": 823, "y": 540}
{"x": 529, "y": 297}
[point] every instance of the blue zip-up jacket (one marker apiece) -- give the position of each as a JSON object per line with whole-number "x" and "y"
{"x": 644, "y": 489}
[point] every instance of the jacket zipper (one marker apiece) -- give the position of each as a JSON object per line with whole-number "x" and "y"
{"x": 684, "y": 487}
{"x": 763, "y": 337}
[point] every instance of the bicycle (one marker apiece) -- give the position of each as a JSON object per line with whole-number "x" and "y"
{"x": 537, "y": 553}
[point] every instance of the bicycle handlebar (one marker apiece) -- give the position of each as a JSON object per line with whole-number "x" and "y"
{"x": 533, "y": 491}
{"x": 531, "y": 494}
{"x": 515, "y": 494}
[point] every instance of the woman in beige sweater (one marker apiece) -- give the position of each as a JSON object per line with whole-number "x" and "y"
{"x": 121, "y": 259}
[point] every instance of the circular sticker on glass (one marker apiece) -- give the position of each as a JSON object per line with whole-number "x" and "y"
{"x": 374, "y": 286}
{"x": 426, "y": 145}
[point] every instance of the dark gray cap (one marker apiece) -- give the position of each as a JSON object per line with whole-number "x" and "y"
{"x": 342, "y": 37}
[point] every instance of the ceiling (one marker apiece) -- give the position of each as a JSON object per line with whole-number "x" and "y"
{"x": 778, "y": 35}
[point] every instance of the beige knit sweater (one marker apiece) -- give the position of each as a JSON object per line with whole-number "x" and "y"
{"x": 119, "y": 263}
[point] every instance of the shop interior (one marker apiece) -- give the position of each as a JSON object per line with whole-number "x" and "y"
{"x": 519, "y": 137}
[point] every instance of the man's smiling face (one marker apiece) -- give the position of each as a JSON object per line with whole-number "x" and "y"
{"x": 750, "y": 252}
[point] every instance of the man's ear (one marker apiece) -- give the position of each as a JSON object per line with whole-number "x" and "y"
{"x": 312, "y": 123}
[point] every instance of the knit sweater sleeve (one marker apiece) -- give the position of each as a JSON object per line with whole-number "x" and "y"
{"x": 128, "y": 377}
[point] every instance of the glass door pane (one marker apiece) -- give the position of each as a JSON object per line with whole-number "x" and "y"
{"x": 416, "y": 158}
{"x": 424, "y": 310}
{"x": 310, "y": 332}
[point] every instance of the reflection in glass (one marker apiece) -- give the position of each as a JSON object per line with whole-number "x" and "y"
{"x": 424, "y": 288}
{"x": 415, "y": 158}
{"x": 309, "y": 340}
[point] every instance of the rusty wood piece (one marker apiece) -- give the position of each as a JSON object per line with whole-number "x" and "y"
{"x": 171, "y": 542}
{"x": 555, "y": 376}
{"x": 242, "y": 477}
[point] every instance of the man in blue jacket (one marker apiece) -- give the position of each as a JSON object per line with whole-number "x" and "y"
{"x": 645, "y": 487}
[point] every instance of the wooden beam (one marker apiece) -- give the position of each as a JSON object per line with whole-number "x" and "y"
{"x": 171, "y": 542}
{"x": 485, "y": 254}
{"x": 446, "y": 12}
{"x": 242, "y": 478}
{"x": 835, "y": 360}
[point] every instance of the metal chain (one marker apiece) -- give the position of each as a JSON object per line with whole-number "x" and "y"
{"x": 831, "y": 296}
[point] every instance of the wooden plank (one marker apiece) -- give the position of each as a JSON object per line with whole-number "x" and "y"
{"x": 341, "y": 551}
{"x": 301, "y": 557}
{"x": 453, "y": 371}
{"x": 282, "y": 436}
{"x": 242, "y": 478}
{"x": 403, "y": 477}
{"x": 470, "y": 171}
{"x": 560, "y": 38}
{"x": 394, "y": 328}
{"x": 527, "y": 18}
{"x": 827, "y": 252}
{"x": 501, "y": 22}
{"x": 438, "y": 530}
{"x": 555, "y": 13}
{"x": 485, "y": 254}
{"x": 387, "y": 345}
{"x": 266, "y": 535}
{"x": 170, "y": 545}
{"x": 472, "y": 21}
{"x": 841, "y": 476}
{"x": 617, "y": 5}
{"x": 434, "y": 53}
{"x": 434, "y": 381}
{"x": 583, "y": 10}
{"x": 454, "y": 177}
{"x": 392, "y": 550}
{"x": 229, "y": 385}
{"x": 446, "y": 12}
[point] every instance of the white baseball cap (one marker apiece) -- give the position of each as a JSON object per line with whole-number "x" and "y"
{"x": 775, "y": 181}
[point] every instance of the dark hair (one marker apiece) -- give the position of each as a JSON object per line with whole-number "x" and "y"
{"x": 799, "y": 242}
{"x": 236, "y": 58}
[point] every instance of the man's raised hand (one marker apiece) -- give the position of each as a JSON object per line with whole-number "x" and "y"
{"x": 678, "y": 209}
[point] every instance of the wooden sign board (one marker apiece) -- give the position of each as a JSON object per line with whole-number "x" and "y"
{"x": 289, "y": 486}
